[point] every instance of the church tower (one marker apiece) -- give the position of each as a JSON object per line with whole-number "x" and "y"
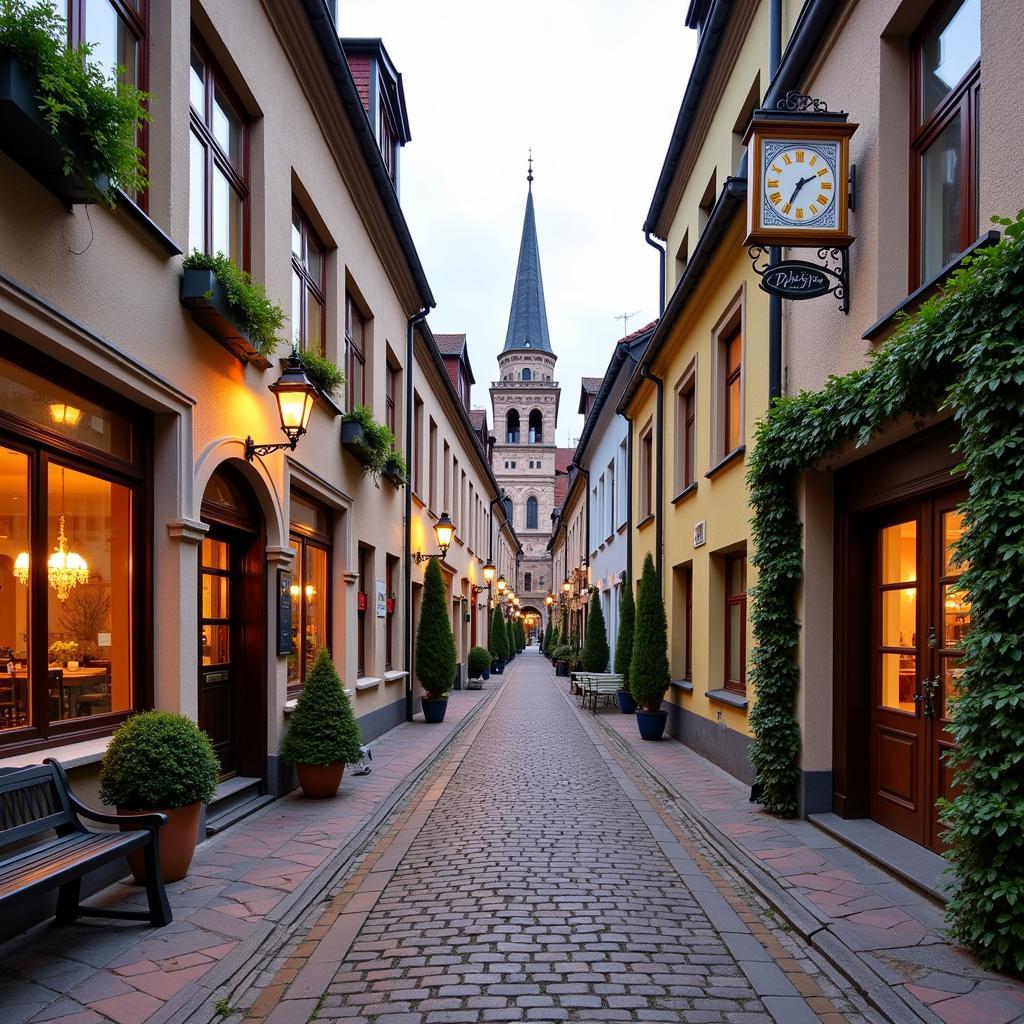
{"x": 524, "y": 403}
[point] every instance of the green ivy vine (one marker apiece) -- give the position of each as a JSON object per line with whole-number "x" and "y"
{"x": 962, "y": 352}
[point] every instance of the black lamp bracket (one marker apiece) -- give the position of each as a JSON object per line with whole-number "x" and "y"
{"x": 252, "y": 449}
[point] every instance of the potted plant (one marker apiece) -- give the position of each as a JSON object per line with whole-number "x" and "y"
{"x": 556, "y": 641}
{"x": 595, "y": 646}
{"x": 435, "y": 646}
{"x": 624, "y": 649}
{"x": 561, "y": 656}
{"x": 372, "y": 443}
{"x": 395, "y": 469}
{"x": 499, "y": 642}
{"x": 648, "y": 670}
{"x": 65, "y": 118}
{"x": 322, "y": 372}
{"x": 63, "y": 652}
{"x": 159, "y": 761}
{"x": 479, "y": 666}
{"x": 323, "y": 735}
{"x": 231, "y": 307}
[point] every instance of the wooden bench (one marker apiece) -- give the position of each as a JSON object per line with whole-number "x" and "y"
{"x": 598, "y": 684}
{"x": 44, "y": 845}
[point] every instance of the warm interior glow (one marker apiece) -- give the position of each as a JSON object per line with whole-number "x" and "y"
{"x": 65, "y": 415}
{"x": 295, "y": 590}
{"x": 21, "y": 568}
{"x": 295, "y": 407}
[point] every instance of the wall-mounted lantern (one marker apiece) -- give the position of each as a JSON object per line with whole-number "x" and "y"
{"x": 294, "y": 394}
{"x": 444, "y": 534}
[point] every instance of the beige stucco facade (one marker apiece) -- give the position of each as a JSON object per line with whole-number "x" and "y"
{"x": 95, "y": 292}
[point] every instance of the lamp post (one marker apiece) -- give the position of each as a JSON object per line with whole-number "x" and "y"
{"x": 294, "y": 394}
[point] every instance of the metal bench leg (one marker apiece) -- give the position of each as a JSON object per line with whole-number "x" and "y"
{"x": 67, "y": 901}
{"x": 159, "y": 908}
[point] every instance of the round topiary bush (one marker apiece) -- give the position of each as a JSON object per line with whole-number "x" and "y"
{"x": 158, "y": 760}
{"x": 648, "y": 671}
{"x": 479, "y": 661}
{"x": 624, "y": 642}
{"x": 595, "y": 647}
{"x": 323, "y": 729}
{"x": 435, "y": 644}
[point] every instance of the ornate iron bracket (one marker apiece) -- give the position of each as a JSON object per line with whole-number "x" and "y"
{"x": 252, "y": 449}
{"x": 802, "y": 279}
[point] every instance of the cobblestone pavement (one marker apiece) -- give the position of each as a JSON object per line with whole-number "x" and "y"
{"x": 534, "y": 879}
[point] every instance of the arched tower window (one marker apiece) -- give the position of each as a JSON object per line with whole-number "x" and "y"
{"x": 512, "y": 427}
{"x": 531, "y": 515}
{"x": 528, "y": 580}
{"x": 536, "y": 427}
{"x": 526, "y": 374}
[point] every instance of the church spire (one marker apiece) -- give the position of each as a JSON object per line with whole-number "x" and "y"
{"x": 528, "y": 317}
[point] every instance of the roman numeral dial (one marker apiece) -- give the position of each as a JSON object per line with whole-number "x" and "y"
{"x": 799, "y": 184}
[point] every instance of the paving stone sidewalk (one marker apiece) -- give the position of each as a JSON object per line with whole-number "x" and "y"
{"x": 532, "y": 879}
{"x": 240, "y": 883}
{"x": 853, "y": 906}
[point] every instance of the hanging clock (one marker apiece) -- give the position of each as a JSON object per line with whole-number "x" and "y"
{"x": 798, "y": 166}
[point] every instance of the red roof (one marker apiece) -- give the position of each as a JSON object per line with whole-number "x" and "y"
{"x": 635, "y": 334}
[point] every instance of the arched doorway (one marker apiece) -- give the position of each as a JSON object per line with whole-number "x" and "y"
{"x": 533, "y": 624}
{"x": 232, "y": 625}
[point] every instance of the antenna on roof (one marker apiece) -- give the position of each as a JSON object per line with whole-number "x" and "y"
{"x": 624, "y": 317}
{"x": 529, "y": 170}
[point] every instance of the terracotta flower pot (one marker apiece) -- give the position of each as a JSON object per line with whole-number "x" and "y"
{"x": 320, "y": 781}
{"x": 178, "y": 840}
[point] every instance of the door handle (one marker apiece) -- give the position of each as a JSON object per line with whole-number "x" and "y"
{"x": 930, "y": 688}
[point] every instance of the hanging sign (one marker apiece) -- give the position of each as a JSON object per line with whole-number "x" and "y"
{"x": 382, "y": 600}
{"x": 797, "y": 279}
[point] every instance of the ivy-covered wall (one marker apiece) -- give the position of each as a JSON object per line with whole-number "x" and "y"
{"x": 962, "y": 351}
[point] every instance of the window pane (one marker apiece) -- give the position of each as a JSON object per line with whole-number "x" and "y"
{"x": 15, "y": 705}
{"x": 952, "y": 531}
{"x": 89, "y": 599}
{"x": 732, "y": 416}
{"x": 735, "y": 633}
{"x": 112, "y": 43}
{"x": 227, "y": 218}
{"x": 314, "y": 595}
{"x": 306, "y": 514}
{"x": 942, "y": 174}
{"x": 227, "y": 128}
{"x": 949, "y": 52}
{"x": 314, "y": 341}
{"x": 734, "y": 354}
{"x": 314, "y": 260}
{"x": 296, "y": 237}
{"x": 216, "y": 645}
{"x": 32, "y": 398}
{"x": 215, "y": 554}
{"x": 196, "y": 90}
{"x": 296, "y": 309}
{"x": 956, "y": 617}
{"x": 196, "y": 193}
{"x": 899, "y": 553}
{"x": 899, "y": 681}
{"x": 215, "y": 597}
{"x": 295, "y": 655}
{"x": 737, "y": 577}
{"x": 899, "y": 617}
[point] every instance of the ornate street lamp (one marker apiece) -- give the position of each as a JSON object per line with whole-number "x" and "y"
{"x": 294, "y": 394}
{"x": 501, "y": 585}
{"x": 444, "y": 534}
{"x": 489, "y": 572}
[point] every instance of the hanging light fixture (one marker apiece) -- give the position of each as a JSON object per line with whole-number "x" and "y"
{"x": 502, "y": 584}
{"x": 489, "y": 571}
{"x": 64, "y": 569}
{"x": 294, "y": 394}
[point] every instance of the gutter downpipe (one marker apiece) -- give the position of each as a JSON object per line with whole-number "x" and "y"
{"x": 629, "y": 499}
{"x": 659, "y": 489}
{"x": 490, "y": 556}
{"x": 775, "y": 252}
{"x": 661, "y": 260}
{"x": 416, "y": 318}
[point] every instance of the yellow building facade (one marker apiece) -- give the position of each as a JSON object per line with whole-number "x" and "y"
{"x": 700, "y": 388}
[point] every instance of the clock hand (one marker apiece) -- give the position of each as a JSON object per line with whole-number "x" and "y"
{"x": 799, "y": 185}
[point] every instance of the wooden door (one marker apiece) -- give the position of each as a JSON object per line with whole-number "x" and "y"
{"x": 919, "y": 618}
{"x": 219, "y": 644}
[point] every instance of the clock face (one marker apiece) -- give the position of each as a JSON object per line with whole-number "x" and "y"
{"x": 799, "y": 184}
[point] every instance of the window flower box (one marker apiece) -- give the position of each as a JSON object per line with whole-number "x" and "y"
{"x": 205, "y": 298}
{"x": 394, "y": 474}
{"x": 353, "y": 440}
{"x": 27, "y": 139}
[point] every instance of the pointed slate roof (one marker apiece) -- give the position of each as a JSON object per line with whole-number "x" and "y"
{"x": 528, "y": 317}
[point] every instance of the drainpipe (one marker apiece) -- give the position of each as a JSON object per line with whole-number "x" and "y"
{"x": 659, "y": 487}
{"x": 490, "y": 556}
{"x": 774, "y": 252}
{"x": 661, "y": 264}
{"x": 416, "y": 318}
{"x": 629, "y": 499}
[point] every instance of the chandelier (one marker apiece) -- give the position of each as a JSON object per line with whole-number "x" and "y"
{"x": 64, "y": 569}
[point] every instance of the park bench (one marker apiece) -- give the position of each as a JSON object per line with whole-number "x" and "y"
{"x": 44, "y": 845}
{"x": 598, "y": 684}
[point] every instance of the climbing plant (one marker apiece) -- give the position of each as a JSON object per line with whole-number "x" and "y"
{"x": 962, "y": 352}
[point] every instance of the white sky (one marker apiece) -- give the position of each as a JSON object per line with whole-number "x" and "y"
{"x": 594, "y": 87}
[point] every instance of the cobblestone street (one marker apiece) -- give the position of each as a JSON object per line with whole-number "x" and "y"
{"x": 534, "y": 880}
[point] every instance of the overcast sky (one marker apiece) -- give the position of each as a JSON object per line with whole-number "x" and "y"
{"x": 594, "y": 87}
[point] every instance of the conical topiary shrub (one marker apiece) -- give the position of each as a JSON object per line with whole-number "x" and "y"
{"x": 499, "y": 639}
{"x": 595, "y": 647}
{"x": 624, "y": 647}
{"x": 510, "y": 639}
{"x": 545, "y": 645}
{"x": 435, "y": 645}
{"x": 520, "y": 635}
{"x": 648, "y": 670}
{"x": 323, "y": 735}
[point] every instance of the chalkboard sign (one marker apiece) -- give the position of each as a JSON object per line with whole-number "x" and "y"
{"x": 284, "y": 611}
